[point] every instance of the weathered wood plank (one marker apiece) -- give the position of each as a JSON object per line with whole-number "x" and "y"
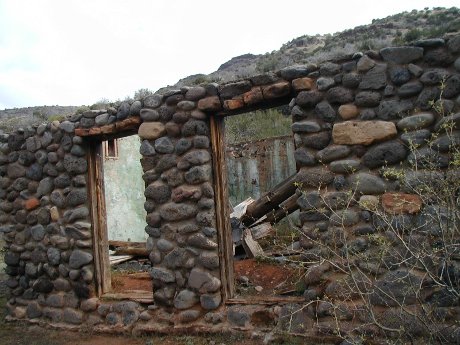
{"x": 125, "y": 125}
{"x": 132, "y": 295}
{"x": 118, "y": 259}
{"x": 113, "y": 243}
{"x": 222, "y": 207}
{"x": 251, "y": 247}
{"x": 262, "y": 230}
{"x": 258, "y": 231}
{"x": 135, "y": 251}
{"x": 95, "y": 224}
{"x": 102, "y": 235}
{"x": 240, "y": 209}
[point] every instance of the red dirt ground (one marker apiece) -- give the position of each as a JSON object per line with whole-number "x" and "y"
{"x": 274, "y": 278}
{"x": 122, "y": 282}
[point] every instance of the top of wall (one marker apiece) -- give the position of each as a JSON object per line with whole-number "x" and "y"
{"x": 369, "y": 71}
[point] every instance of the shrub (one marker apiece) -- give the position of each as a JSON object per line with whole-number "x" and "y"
{"x": 412, "y": 35}
{"x": 403, "y": 278}
{"x": 257, "y": 125}
{"x": 142, "y": 93}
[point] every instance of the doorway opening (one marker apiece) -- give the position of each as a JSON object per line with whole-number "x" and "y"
{"x": 260, "y": 170}
{"x": 120, "y": 219}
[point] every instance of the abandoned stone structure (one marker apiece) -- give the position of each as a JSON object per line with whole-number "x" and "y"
{"x": 355, "y": 124}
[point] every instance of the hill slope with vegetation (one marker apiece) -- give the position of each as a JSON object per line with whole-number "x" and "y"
{"x": 399, "y": 29}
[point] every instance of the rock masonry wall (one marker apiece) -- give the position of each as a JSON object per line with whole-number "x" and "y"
{"x": 350, "y": 119}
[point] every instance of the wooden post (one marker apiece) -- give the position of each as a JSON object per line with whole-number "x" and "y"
{"x": 98, "y": 215}
{"x": 222, "y": 207}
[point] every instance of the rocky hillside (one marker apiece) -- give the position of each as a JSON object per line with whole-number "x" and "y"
{"x": 17, "y": 117}
{"x": 399, "y": 29}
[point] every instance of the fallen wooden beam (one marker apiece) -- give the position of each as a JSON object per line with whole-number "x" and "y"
{"x": 118, "y": 259}
{"x": 135, "y": 251}
{"x": 287, "y": 207}
{"x": 269, "y": 201}
{"x": 114, "y": 244}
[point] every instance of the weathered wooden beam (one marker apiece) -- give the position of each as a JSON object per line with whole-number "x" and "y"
{"x": 222, "y": 206}
{"x": 124, "y": 125}
{"x": 115, "y": 244}
{"x": 118, "y": 259}
{"x": 285, "y": 208}
{"x": 269, "y": 201}
{"x": 135, "y": 251}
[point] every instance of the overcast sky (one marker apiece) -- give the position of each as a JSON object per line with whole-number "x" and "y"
{"x": 66, "y": 52}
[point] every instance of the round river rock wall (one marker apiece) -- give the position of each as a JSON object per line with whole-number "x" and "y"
{"x": 353, "y": 120}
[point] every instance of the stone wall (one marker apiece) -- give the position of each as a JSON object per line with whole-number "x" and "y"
{"x": 352, "y": 120}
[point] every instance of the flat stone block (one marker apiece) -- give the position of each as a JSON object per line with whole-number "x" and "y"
{"x": 362, "y": 132}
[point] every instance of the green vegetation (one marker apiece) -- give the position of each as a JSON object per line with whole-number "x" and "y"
{"x": 436, "y": 23}
{"x": 100, "y": 104}
{"x": 257, "y": 125}
{"x": 267, "y": 63}
{"x": 205, "y": 79}
{"x": 57, "y": 117}
{"x": 142, "y": 93}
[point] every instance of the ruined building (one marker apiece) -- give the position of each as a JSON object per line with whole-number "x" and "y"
{"x": 376, "y": 139}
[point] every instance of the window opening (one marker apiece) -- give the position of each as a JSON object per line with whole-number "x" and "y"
{"x": 110, "y": 148}
{"x": 259, "y": 155}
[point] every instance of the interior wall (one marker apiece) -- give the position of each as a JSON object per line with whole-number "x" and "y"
{"x": 255, "y": 167}
{"x": 124, "y": 192}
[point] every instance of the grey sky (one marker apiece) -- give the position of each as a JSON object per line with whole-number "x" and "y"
{"x": 70, "y": 52}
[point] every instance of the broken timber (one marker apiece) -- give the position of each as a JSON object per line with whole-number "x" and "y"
{"x": 285, "y": 208}
{"x": 118, "y": 259}
{"x": 134, "y": 251}
{"x": 269, "y": 201}
{"x": 251, "y": 247}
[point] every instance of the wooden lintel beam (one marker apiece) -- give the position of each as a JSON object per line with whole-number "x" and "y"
{"x": 127, "y": 124}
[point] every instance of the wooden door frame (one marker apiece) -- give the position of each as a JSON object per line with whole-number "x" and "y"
{"x": 98, "y": 217}
{"x": 222, "y": 210}
{"x": 224, "y": 231}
